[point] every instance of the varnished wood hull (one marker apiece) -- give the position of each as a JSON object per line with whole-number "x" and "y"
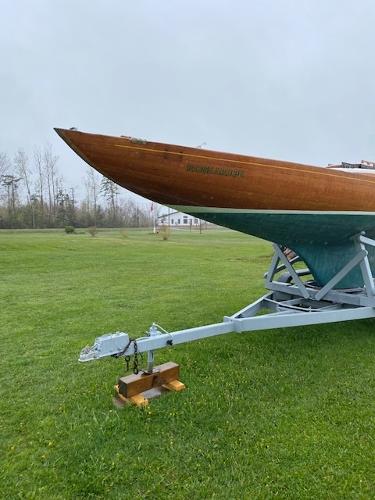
{"x": 315, "y": 211}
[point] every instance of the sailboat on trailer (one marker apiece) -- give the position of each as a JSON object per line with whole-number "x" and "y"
{"x": 315, "y": 211}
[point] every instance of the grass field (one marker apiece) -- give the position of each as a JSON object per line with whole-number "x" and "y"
{"x": 284, "y": 413}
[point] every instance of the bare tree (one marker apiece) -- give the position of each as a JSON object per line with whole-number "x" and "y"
{"x": 4, "y": 164}
{"x": 10, "y": 182}
{"x": 92, "y": 184}
{"x": 50, "y": 172}
{"x": 110, "y": 191}
{"x": 21, "y": 163}
{"x": 38, "y": 162}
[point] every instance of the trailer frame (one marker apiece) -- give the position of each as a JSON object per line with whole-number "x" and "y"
{"x": 289, "y": 302}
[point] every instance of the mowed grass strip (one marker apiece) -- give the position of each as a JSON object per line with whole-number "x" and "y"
{"x": 284, "y": 413}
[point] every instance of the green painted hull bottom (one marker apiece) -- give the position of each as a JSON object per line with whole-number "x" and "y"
{"x": 323, "y": 241}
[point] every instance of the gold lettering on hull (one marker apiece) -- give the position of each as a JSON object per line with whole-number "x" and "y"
{"x": 206, "y": 170}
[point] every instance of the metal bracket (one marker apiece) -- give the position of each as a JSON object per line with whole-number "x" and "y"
{"x": 341, "y": 274}
{"x": 274, "y": 269}
{"x": 363, "y": 297}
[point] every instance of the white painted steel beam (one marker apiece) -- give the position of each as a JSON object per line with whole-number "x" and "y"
{"x": 104, "y": 347}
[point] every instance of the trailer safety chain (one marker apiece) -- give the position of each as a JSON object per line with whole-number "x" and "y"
{"x": 135, "y": 360}
{"x": 127, "y": 356}
{"x": 127, "y": 361}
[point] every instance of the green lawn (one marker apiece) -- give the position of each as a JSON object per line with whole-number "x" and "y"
{"x": 283, "y": 413}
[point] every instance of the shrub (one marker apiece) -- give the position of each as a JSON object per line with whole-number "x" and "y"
{"x": 70, "y": 229}
{"x": 92, "y": 230}
{"x": 164, "y": 232}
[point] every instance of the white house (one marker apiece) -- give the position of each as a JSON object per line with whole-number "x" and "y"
{"x": 179, "y": 219}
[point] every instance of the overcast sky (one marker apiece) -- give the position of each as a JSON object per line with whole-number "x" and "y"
{"x": 286, "y": 79}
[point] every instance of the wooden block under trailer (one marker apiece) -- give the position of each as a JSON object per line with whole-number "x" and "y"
{"x": 131, "y": 387}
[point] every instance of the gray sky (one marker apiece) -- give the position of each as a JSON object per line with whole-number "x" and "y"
{"x": 286, "y": 79}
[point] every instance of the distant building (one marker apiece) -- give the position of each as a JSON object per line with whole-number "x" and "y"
{"x": 181, "y": 220}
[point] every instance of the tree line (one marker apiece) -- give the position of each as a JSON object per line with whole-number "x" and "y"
{"x": 33, "y": 195}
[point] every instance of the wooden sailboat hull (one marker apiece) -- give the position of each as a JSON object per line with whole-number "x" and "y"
{"x": 314, "y": 211}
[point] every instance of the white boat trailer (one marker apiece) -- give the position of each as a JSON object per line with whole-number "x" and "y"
{"x": 289, "y": 302}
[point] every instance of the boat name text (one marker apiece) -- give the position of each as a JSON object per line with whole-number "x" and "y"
{"x": 202, "y": 169}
